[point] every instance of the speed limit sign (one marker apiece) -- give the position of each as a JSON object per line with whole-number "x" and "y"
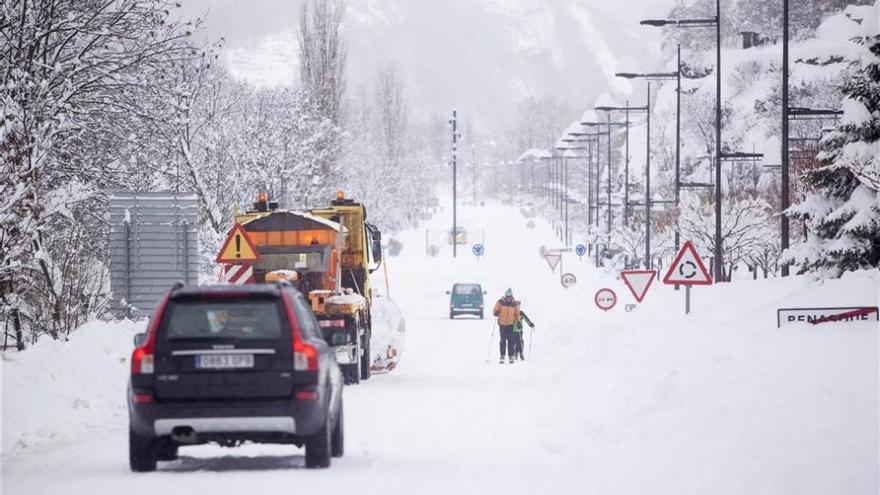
{"x": 568, "y": 280}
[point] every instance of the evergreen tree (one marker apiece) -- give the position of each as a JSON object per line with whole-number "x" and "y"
{"x": 842, "y": 213}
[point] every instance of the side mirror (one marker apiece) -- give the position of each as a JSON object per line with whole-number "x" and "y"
{"x": 447, "y": 293}
{"x": 375, "y": 237}
{"x": 139, "y": 339}
{"x": 484, "y": 293}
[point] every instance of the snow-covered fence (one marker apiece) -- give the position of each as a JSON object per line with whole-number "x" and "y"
{"x": 153, "y": 243}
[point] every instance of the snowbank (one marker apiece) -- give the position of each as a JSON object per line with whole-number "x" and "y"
{"x": 389, "y": 334}
{"x": 58, "y": 391}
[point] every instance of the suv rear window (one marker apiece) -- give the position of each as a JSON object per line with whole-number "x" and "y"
{"x": 252, "y": 319}
{"x": 467, "y": 289}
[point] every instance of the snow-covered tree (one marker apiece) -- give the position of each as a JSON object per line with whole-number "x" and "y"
{"x": 746, "y": 226}
{"x": 842, "y": 213}
{"x": 74, "y": 78}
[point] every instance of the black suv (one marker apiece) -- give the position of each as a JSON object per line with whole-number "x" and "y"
{"x": 231, "y": 364}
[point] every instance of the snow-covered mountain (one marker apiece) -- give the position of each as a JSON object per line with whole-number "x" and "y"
{"x": 480, "y": 56}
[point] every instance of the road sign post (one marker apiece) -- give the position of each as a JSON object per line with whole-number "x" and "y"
{"x": 687, "y": 269}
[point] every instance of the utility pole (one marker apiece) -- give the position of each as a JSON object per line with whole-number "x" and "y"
{"x": 608, "y": 245}
{"x": 590, "y": 188}
{"x": 678, "y": 150}
{"x": 565, "y": 180}
{"x": 648, "y": 185}
{"x": 785, "y": 134}
{"x": 626, "y": 168}
{"x": 719, "y": 253}
{"x": 474, "y": 172}
{"x": 454, "y": 122}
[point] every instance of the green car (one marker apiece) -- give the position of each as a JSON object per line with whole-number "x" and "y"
{"x": 466, "y": 299}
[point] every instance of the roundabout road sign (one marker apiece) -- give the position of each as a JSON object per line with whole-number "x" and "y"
{"x": 605, "y": 299}
{"x": 478, "y": 250}
{"x": 568, "y": 280}
{"x": 580, "y": 250}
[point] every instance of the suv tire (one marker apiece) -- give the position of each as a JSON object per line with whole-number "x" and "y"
{"x": 337, "y": 441}
{"x": 318, "y": 447}
{"x": 141, "y": 452}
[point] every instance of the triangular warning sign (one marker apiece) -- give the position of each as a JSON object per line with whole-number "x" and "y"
{"x": 553, "y": 260}
{"x": 638, "y": 281}
{"x": 688, "y": 268}
{"x": 238, "y": 248}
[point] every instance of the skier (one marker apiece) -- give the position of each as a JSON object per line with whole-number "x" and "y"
{"x": 518, "y": 332}
{"x": 507, "y": 312}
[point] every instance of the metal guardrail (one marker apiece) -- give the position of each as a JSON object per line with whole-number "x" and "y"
{"x": 153, "y": 243}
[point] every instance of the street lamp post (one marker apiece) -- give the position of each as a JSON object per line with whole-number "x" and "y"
{"x": 608, "y": 124}
{"x": 784, "y": 186}
{"x": 647, "y": 110}
{"x": 716, "y": 23}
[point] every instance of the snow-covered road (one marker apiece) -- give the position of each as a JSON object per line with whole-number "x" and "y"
{"x": 640, "y": 402}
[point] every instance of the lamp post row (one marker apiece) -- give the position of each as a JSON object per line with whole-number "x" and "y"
{"x": 720, "y": 155}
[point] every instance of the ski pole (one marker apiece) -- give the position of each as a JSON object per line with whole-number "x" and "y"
{"x": 531, "y": 338}
{"x": 491, "y": 338}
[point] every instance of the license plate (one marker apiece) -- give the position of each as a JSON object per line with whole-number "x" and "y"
{"x": 224, "y": 361}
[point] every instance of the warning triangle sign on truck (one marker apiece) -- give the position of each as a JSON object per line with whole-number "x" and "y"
{"x": 688, "y": 268}
{"x": 238, "y": 248}
{"x": 638, "y": 281}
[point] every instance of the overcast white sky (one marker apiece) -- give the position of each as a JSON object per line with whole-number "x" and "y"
{"x": 480, "y": 56}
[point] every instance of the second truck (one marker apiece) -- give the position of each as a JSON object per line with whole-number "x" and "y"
{"x": 328, "y": 253}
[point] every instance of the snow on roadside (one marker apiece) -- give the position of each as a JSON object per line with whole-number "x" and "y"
{"x": 58, "y": 391}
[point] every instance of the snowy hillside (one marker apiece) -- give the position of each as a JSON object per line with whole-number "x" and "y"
{"x": 477, "y": 55}
{"x": 647, "y": 401}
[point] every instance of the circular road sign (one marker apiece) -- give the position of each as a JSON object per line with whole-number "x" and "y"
{"x": 433, "y": 250}
{"x": 568, "y": 279}
{"x": 580, "y": 250}
{"x": 478, "y": 250}
{"x": 605, "y": 299}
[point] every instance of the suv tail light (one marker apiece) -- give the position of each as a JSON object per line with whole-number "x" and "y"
{"x": 305, "y": 355}
{"x": 142, "y": 358}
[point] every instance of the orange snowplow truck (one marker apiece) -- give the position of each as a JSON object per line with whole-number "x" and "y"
{"x": 328, "y": 254}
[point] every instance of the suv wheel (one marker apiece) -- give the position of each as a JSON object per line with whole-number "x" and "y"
{"x": 451, "y": 315}
{"x": 318, "y": 447}
{"x": 141, "y": 452}
{"x": 337, "y": 441}
{"x": 481, "y": 315}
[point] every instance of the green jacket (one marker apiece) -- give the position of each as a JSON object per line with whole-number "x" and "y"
{"x": 518, "y": 324}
